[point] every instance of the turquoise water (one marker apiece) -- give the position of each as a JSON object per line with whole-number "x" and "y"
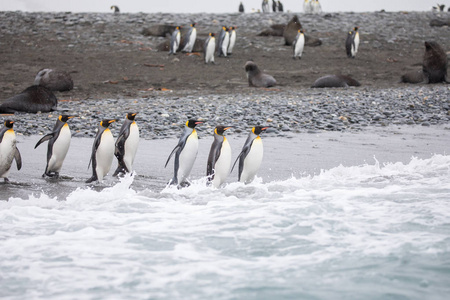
{"x": 371, "y": 231}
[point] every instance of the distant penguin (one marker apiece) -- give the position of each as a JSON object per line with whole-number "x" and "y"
{"x": 232, "y": 40}
{"x": 274, "y": 6}
{"x": 58, "y": 145}
{"x": 126, "y": 145}
{"x": 298, "y": 44}
{"x": 280, "y": 6}
{"x": 219, "y": 159}
{"x": 175, "y": 41}
{"x": 316, "y": 7}
{"x": 265, "y": 6}
{"x": 352, "y": 43}
{"x": 333, "y": 81}
{"x": 185, "y": 154}
{"x": 257, "y": 78}
{"x": 32, "y": 100}
{"x": 54, "y": 80}
{"x": 307, "y": 6}
{"x": 115, "y": 9}
{"x": 241, "y": 7}
{"x": 251, "y": 155}
{"x": 210, "y": 48}
{"x": 102, "y": 152}
{"x": 224, "y": 41}
{"x": 8, "y": 150}
{"x": 191, "y": 37}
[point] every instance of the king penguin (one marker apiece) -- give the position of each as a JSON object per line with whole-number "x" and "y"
{"x": 126, "y": 145}
{"x": 8, "y": 150}
{"x": 190, "y": 38}
{"x": 58, "y": 145}
{"x": 352, "y": 43}
{"x": 298, "y": 44}
{"x": 210, "y": 48}
{"x": 185, "y": 153}
{"x": 102, "y": 151}
{"x": 232, "y": 40}
{"x": 175, "y": 41}
{"x": 219, "y": 159}
{"x": 251, "y": 155}
{"x": 224, "y": 41}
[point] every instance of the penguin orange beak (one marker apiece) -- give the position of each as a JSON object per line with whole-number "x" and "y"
{"x": 226, "y": 128}
{"x": 264, "y": 128}
{"x": 198, "y": 122}
{"x": 111, "y": 121}
{"x": 70, "y": 117}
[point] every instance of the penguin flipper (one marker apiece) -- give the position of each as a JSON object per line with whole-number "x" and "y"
{"x": 44, "y": 138}
{"x": 18, "y": 159}
{"x": 239, "y": 156}
{"x": 170, "y": 156}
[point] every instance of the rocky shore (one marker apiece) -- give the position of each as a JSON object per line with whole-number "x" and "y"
{"x": 117, "y": 69}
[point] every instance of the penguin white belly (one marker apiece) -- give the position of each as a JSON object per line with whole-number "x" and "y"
{"x": 353, "y": 52}
{"x": 59, "y": 151}
{"x": 252, "y": 161}
{"x": 299, "y": 46}
{"x": 232, "y": 42}
{"x": 223, "y": 164}
{"x": 192, "y": 39}
{"x": 131, "y": 145}
{"x": 104, "y": 155}
{"x": 209, "y": 57}
{"x": 356, "y": 42}
{"x": 187, "y": 157}
{"x": 7, "y": 151}
{"x": 226, "y": 41}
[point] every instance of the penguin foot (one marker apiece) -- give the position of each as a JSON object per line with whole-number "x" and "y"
{"x": 183, "y": 184}
{"x": 93, "y": 178}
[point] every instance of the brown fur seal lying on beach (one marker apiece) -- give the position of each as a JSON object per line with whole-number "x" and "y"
{"x": 256, "y": 77}
{"x": 54, "y": 80}
{"x": 434, "y": 67}
{"x": 330, "y": 81}
{"x": 33, "y": 99}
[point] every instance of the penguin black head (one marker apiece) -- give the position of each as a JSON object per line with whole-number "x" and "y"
{"x": 193, "y": 24}
{"x": 355, "y": 28}
{"x": 212, "y": 34}
{"x": 105, "y": 123}
{"x": 191, "y": 123}
{"x": 65, "y": 118}
{"x": 220, "y": 130}
{"x": 9, "y": 124}
{"x": 258, "y": 129}
{"x": 130, "y": 116}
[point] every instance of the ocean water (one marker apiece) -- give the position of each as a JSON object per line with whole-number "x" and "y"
{"x": 364, "y": 231}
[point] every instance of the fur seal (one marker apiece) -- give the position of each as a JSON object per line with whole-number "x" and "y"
{"x": 291, "y": 30}
{"x": 33, "y": 99}
{"x": 330, "y": 81}
{"x": 256, "y": 77}
{"x": 54, "y": 80}
{"x": 434, "y": 66}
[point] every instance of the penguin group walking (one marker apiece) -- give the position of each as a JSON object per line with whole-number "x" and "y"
{"x": 104, "y": 149}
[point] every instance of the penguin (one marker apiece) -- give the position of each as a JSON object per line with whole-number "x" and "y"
{"x": 115, "y": 9}
{"x": 316, "y": 7}
{"x": 299, "y": 44}
{"x": 58, "y": 145}
{"x": 210, "y": 48}
{"x": 265, "y": 6}
{"x": 241, "y": 7}
{"x": 102, "y": 151}
{"x": 219, "y": 159}
{"x": 190, "y": 39}
{"x": 185, "y": 153}
{"x": 251, "y": 156}
{"x": 280, "y": 6}
{"x": 274, "y": 6}
{"x": 126, "y": 145}
{"x": 307, "y": 6}
{"x": 355, "y": 29}
{"x": 224, "y": 41}
{"x": 232, "y": 40}
{"x": 350, "y": 44}
{"x": 8, "y": 150}
{"x": 175, "y": 41}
